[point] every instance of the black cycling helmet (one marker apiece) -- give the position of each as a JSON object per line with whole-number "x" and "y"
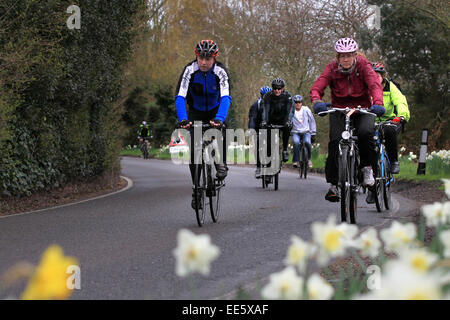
{"x": 378, "y": 67}
{"x": 206, "y": 49}
{"x": 297, "y": 98}
{"x": 278, "y": 83}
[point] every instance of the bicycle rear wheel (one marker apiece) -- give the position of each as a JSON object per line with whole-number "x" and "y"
{"x": 199, "y": 190}
{"x": 344, "y": 185}
{"x": 213, "y": 193}
{"x": 387, "y": 183}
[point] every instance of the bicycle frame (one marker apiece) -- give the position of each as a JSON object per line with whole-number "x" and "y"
{"x": 348, "y": 164}
{"x": 380, "y": 140}
{"x": 267, "y": 178}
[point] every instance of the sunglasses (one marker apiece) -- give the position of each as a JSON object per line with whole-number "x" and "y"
{"x": 277, "y": 88}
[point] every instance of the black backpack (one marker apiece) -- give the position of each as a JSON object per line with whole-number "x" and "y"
{"x": 396, "y": 84}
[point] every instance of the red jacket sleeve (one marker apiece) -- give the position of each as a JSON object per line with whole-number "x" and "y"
{"x": 373, "y": 84}
{"x": 318, "y": 89}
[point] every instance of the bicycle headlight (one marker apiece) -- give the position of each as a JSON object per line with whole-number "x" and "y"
{"x": 345, "y": 135}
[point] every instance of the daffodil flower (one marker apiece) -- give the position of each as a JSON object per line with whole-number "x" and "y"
{"x": 194, "y": 253}
{"x": 437, "y": 213}
{"x": 332, "y": 239}
{"x": 318, "y": 288}
{"x": 49, "y": 281}
{"x": 284, "y": 285}
{"x": 368, "y": 243}
{"x": 298, "y": 253}
{"x": 398, "y": 236}
{"x": 444, "y": 236}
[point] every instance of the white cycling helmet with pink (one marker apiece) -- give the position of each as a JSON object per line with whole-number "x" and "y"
{"x": 345, "y": 45}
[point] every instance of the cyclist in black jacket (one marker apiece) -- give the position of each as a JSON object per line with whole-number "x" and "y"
{"x": 277, "y": 106}
{"x": 254, "y": 122}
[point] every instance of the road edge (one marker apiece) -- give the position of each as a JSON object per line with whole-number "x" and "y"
{"x": 128, "y": 186}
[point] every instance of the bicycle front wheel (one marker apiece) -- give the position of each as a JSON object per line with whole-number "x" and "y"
{"x": 344, "y": 183}
{"x": 199, "y": 190}
{"x": 276, "y": 181}
{"x": 387, "y": 183}
{"x": 304, "y": 163}
{"x": 378, "y": 188}
{"x": 353, "y": 204}
{"x": 213, "y": 193}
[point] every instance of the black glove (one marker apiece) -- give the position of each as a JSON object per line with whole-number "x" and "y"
{"x": 313, "y": 139}
{"x": 218, "y": 123}
{"x": 182, "y": 123}
{"x": 288, "y": 124}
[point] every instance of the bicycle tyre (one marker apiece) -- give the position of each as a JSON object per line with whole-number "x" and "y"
{"x": 276, "y": 181}
{"x": 378, "y": 188}
{"x": 343, "y": 184}
{"x": 214, "y": 193}
{"x": 387, "y": 185}
{"x": 199, "y": 189}
{"x": 304, "y": 163}
{"x": 353, "y": 192}
{"x": 145, "y": 152}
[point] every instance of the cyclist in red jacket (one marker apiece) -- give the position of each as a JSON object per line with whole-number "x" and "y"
{"x": 353, "y": 83}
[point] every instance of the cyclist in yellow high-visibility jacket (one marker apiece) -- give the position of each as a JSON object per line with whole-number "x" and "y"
{"x": 396, "y": 110}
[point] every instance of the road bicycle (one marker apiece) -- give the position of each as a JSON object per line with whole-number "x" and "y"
{"x": 303, "y": 167}
{"x": 269, "y": 178}
{"x": 144, "y": 148}
{"x": 348, "y": 165}
{"x": 206, "y": 184}
{"x": 384, "y": 178}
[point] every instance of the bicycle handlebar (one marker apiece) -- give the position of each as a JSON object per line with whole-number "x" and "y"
{"x": 202, "y": 125}
{"x": 347, "y": 110}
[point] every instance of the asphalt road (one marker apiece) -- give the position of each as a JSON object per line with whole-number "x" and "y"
{"x": 124, "y": 242}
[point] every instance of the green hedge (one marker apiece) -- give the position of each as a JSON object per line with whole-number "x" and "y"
{"x": 59, "y": 118}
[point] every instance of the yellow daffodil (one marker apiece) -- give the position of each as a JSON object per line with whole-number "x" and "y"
{"x": 49, "y": 281}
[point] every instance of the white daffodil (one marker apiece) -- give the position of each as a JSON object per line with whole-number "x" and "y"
{"x": 437, "y": 213}
{"x": 318, "y": 288}
{"x": 194, "y": 253}
{"x": 419, "y": 260}
{"x": 447, "y": 186}
{"x": 332, "y": 239}
{"x": 398, "y": 236}
{"x": 284, "y": 285}
{"x": 401, "y": 282}
{"x": 298, "y": 253}
{"x": 368, "y": 243}
{"x": 444, "y": 236}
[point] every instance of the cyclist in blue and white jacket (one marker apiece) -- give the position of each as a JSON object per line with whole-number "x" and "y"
{"x": 303, "y": 124}
{"x": 204, "y": 85}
